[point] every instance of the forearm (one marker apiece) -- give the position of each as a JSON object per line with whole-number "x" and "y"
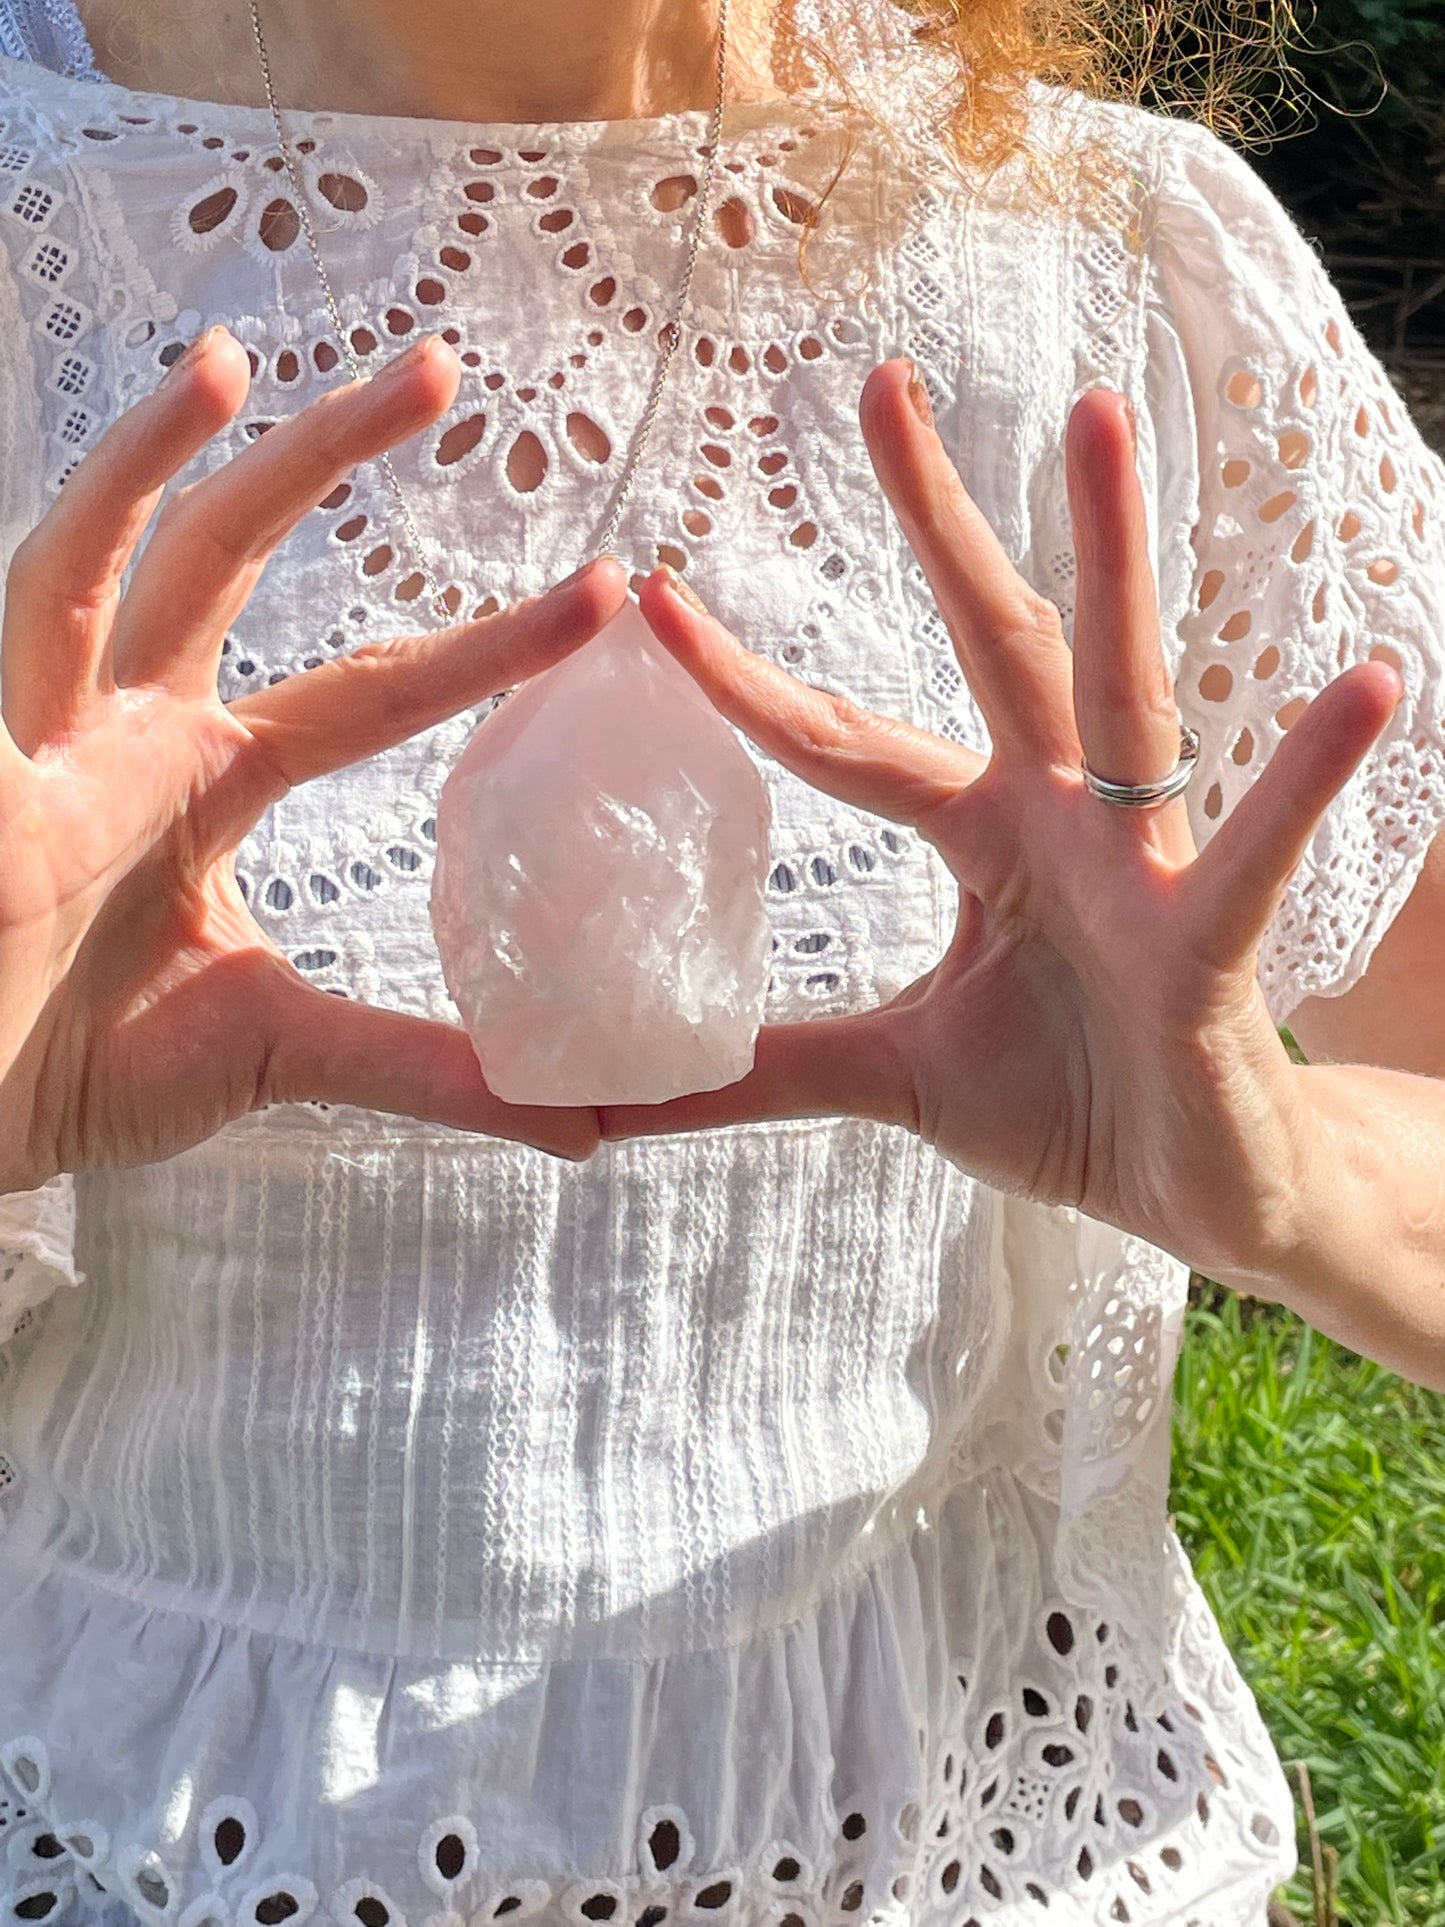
{"x": 1364, "y": 1259}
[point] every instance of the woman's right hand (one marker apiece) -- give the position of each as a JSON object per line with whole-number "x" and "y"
{"x": 141, "y": 1007}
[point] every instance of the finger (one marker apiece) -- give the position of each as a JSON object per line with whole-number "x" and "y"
{"x": 1234, "y": 886}
{"x": 829, "y": 1067}
{"x": 332, "y": 1050}
{"x": 1128, "y": 720}
{"x": 212, "y": 541}
{"x": 1007, "y": 637}
{"x": 14, "y": 772}
{"x": 354, "y": 706}
{"x": 64, "y": 578}
{"x": 874, "y": 762}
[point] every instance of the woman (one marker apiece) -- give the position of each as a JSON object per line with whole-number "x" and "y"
{"x": 426, "y": 1510}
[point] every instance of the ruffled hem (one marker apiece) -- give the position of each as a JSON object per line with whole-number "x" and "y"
{"x": 857, "y": 1763}
{"x": 37, "y": 1249}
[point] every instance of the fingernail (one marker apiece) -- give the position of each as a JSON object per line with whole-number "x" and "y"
{"x": 192, "y": 354}
{"x": 684, "y": 589}
{"x": 1133, "y": 424}
{"x": 399, "y": 364}
{"x": 918, "y": 395}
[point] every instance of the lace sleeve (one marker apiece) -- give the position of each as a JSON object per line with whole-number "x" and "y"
{"x": 1320, "y": 542}
{"x": 37, "y": 1249}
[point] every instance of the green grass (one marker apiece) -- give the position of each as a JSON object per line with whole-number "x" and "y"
{"x": 1309, "y": 1489}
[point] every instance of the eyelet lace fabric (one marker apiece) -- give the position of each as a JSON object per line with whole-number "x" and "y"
{"x": 406, "y": 1528}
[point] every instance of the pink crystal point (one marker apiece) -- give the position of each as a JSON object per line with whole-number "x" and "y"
{"x": 602, "y": 846}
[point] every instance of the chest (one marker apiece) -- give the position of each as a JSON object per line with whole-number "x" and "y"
{"x": 552, "y": 264}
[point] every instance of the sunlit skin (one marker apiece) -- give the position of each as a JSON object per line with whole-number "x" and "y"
{"x": 469, "y": 60}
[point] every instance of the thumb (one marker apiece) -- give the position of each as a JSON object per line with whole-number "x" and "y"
{"x": 336, "y": 1051}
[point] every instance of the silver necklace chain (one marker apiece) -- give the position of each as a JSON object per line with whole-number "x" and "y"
{"x": 671, "y": 334}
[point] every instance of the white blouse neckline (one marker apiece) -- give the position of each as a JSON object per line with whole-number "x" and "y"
{"x": 643, "y": 130}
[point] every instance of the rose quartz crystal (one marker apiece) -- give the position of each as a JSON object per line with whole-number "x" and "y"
{"x": 602, "y": 845}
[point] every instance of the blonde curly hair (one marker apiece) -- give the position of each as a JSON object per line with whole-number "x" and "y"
{"x": 1224, "y": 63}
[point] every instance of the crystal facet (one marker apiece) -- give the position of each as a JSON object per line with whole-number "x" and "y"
{"x": 602, "y": 848}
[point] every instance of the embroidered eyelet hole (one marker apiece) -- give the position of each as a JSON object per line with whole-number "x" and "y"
{"x": 371, "y": 1911}
{"x": 280, "y": 225}
{"x": 786, "y": 1869}
{"x": 1060, "y": 1633}
{"x": 449, "y": 1850}
{"x": 26, "y": 1772}
{"x": 735, "y": 222}
{"x": 36, "y": 1906}
{"x": 151, "y": 1887}
{"x": 1243, "y": 389}
{"x": 590, "y": 441}
{"x": 717, "y": 1894}
{"x": 344, "y": 193}
{"x": 526, "y": 463}
{"x": 207, "y": 214}
{"x": 664, "y": 1844}
{"x": 274, "y": 1908}
{"x": 600, "y": 1906}
{"x": 674, "y": 192}
{"x": 795, "y": 207}
{"x": 852, "y": 1897}
{"x": 460, "y": 439}
{"x": 652, "y": 1917}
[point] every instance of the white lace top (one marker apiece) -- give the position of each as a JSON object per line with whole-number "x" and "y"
{"x": 766, "y": 1527}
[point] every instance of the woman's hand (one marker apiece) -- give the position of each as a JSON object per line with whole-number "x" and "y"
{"x": 141, "y": 1007}
{"x": 1094, "y": 1034}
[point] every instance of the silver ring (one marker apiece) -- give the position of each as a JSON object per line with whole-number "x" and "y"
{"x": 1140, "y": 796}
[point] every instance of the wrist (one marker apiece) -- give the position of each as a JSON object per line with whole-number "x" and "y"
{"x": 1367, "y": 1205}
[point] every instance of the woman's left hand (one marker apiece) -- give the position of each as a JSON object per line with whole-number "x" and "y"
{"x": 1094, "y": 1034}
